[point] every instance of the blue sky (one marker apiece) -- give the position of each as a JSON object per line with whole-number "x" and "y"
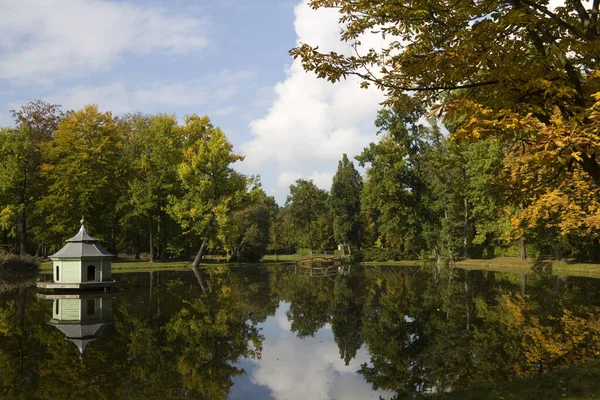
{"x": 225, "y": 59}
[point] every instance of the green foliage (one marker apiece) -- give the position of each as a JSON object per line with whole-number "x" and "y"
{"x": 211, "y": 187}
{"x": 80, "y": 166}
{"x": 520, "y": 78}
{"x": 345, "y": 203}
{"x": 396, "y": 193}
{"x": 151, "y": 153}
{"x": 246, "y": 234}
{"x": 423, "y": 332}
{"x": 309, "y": 215}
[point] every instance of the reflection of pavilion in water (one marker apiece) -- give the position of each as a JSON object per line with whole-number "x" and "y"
{"x": 81, "y": 317}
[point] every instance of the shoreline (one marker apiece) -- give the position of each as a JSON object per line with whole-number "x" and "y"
{"x": 500, "y": 264}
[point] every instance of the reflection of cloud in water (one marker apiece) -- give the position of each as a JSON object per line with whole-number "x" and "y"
{"x": 308, "y": 368}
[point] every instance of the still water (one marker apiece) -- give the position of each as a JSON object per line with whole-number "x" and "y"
{"x": 279, "y": 333}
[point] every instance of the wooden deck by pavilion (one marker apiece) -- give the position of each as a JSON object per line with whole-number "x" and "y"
{"x": 78, "y": 295}
{"x": 89, "y": 285}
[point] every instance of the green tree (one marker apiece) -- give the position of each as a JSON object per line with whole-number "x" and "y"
{"x": 397, "y": 191}
{"x": 309, "y": 215}
{"x": 246, "y": 233}
{"x": 151, "y": 153}
{"x": 210, "y": 184}
{"x": 80, "y": 166}
{"x": 20, "y": 161}
{"x": 520, "y": 71}
{"x": 345, "y": 203}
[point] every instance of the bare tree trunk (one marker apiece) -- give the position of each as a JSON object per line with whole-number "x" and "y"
{"x": 436, "y": 252}
{"x": 200, "y": 254}
{"x": 560, "y": 284}
{"x": 22, "y": 232}
{"x": 150, "y": 288}
{"x": 438, "y": 265}
{"x": 466, "y": 228}
{"x": 159, "y": 244}
{"x": 554, "y": 243}
{"x": 343, "y": 251}
{"x": 349, "y": 250}
{"x": 467, "y": 300}
{"x": 523, "y": 249}
{"x": 163, "y": 235}
{"x": 151, "y": 238}
{"x": 523, "y": 283}
{"x": 199, "y": 278}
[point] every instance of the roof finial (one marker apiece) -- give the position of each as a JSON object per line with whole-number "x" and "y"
{"x": 82, "y": 220}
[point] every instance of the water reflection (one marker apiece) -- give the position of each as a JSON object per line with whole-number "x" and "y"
{"x": 277, "y": 333}
{"x": 81, "y": 317}
{"x": 309, "y": 368}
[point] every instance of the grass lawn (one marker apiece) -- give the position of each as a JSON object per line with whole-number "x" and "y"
{"x": 129, "y": 265}
{"x": 500, "y": 264}
{"x": 400, "y": 263}
{"x": 509, "y": 264}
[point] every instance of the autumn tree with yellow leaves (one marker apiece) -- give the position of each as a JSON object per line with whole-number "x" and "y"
{"x": 520, "y": 71}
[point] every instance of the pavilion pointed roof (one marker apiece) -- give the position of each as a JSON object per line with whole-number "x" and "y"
{"x": 81, "y": 334}
{"x": 82, "y": 236}
{"x": 82, "y": 245}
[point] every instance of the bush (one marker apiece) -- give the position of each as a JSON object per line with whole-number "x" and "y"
{"x": 14, "y": 269}
{"x": 382, "y": 254}
{"x": 10, "y": 261}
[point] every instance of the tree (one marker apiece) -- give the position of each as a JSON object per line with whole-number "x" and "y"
{"x": 151, "y": 154}
{"x": 80, "y": 166}
{"x": 210, "y": 184}
{"x": 281, "y": 232}
{"x": 20, "y": 163}
{"x": 17, "y": 171}
{"x": 520, "y": 71}
{"x": 345, "y": 203}
{"x": 246, "y": 233}
{"x": 397, "y": 190}
{"x": 309, "y": 214}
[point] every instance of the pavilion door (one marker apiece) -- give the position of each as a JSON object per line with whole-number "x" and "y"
{"x": 91, "y": 273}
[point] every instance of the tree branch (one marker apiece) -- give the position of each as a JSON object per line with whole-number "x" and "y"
{"x": 424, "y": 88}
{"x": 556, "y": 19}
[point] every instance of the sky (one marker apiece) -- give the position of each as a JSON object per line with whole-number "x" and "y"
{"x": 291, "y": 368}
{"x": 226, "y": 59}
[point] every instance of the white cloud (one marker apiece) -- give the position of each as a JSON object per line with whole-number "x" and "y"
{"x": 308, "y": 368}
{"x": 41, "y": 41}
{"x": 312, "y": 122}
{"x": 322, "y": 179}
{"x": 121, "y": 97}
{"x": 286, "y": 178}
{"x": 553, "y": 4}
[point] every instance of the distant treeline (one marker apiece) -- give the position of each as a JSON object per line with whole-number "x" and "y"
{"x": 149, "y": 185}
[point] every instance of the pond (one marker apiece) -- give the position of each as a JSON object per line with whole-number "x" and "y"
{"x": 280, "y": 333}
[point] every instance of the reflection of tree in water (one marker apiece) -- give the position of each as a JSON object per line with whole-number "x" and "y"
{"x": 212, "y": 332}
{"x": 171, "y": 341}
{"x": 309, "y": 299}
{"x": 173, "y": 337}
{"x": 473, "y": 328}
{"x": 347, "y": 304}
